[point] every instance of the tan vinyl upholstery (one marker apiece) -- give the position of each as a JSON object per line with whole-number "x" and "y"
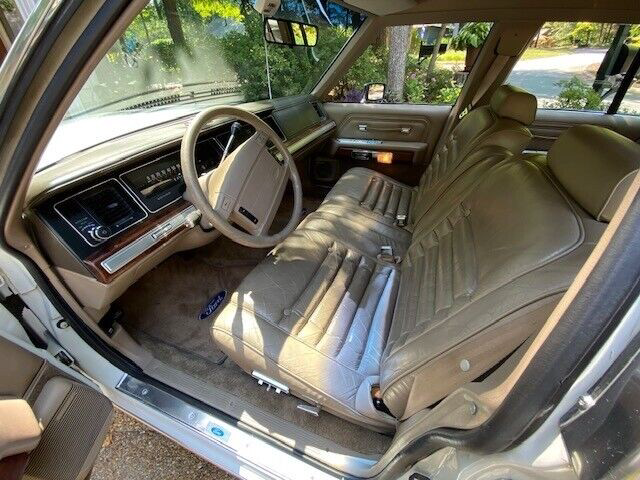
{"x": 502, "y": 123}
{"x": 590, "y": 177}
{"x": 483, "y": 268}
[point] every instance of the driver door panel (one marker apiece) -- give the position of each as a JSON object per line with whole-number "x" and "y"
{"x": 70, "y": 417}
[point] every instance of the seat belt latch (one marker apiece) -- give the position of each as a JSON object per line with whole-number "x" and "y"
{"x": 378, "y": 402}
{"x": 386, "y": 255}
{"x": 401, "y": 220}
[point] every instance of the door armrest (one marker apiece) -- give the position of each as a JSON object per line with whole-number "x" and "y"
{"x": 19, "y": 429}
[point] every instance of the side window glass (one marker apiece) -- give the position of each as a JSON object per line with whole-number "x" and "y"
{"x": 579, "y": 66}
{"x": 419, "y": 64}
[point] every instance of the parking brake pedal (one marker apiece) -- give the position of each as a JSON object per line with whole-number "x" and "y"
{"x": 270, "y": 383}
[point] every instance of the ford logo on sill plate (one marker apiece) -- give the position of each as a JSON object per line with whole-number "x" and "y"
{"x": 212, "y": 305}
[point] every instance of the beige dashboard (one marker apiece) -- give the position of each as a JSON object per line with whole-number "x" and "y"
{"x": 106, "y": 216}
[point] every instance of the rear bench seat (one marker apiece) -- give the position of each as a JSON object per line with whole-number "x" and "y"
{"x": 485, "y": 264}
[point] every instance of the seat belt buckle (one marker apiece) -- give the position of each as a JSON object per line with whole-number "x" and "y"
{"x": 401, "y": 220}
{"x": 386, "y": 255}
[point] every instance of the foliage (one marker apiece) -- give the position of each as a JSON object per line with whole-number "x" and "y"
{"x": 222, "y": 8}
{"x": 290, "y": 68}
{"x": 581, "y": 34}
{"x": 7, "y": 5}
{"x": 471, "y": 35}
{"x": 634, "y": 35}
{"x": 577, "y": 95}
{"x": 371, "y": 67}
{"x": 165, "y": 50}
{"x": 440, "y": 88}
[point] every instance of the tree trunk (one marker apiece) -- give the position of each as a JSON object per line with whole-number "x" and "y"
{"x": 174, "y": 23}
{"x": 381, "y": 39}
{"x": 398, "y": 50}
{"x": 436, "y": 50}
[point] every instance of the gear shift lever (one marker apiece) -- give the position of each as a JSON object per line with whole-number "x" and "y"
{"x": 235, "y": 128}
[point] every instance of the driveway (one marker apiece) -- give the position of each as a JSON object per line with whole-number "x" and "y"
{"x": 541, "y": 75}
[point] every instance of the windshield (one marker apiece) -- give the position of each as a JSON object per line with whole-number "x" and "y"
{"x": 178, "y": 56}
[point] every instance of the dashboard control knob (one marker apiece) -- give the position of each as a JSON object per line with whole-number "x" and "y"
{"x": 99, "y": 233}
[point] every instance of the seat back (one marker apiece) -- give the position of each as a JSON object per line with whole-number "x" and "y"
{"x": 491, "y": 259}
{"x": 502, "y": 123}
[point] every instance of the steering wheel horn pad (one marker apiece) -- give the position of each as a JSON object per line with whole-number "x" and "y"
{"x": 240, "y": 197}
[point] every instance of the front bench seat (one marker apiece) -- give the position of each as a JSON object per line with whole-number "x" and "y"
{"x": 486, "y": 265}
{"x": 502, "y": 123}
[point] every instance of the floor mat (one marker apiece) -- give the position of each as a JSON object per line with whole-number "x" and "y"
{"x": 166, "y": 303}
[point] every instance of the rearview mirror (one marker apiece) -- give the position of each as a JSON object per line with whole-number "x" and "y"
{"x": 374, "y": 92}
{"x": 287, "y": 32}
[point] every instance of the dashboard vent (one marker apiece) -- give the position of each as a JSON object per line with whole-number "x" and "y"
{"x": 319, "y": 110}
{"x": 108, "y": 206}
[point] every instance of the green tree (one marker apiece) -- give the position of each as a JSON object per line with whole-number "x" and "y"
{"x": 471, "y": 37}
{"x": 290, "y": 67}
{"x": 577, "y": 95}
{"x": 399, "y": 42}
{"x": 174, "y": 23}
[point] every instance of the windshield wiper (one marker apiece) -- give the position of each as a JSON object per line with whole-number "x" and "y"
{"x": 176, "y": 97}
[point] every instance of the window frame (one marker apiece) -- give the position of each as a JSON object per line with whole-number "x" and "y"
{"x": 627, "y": 81}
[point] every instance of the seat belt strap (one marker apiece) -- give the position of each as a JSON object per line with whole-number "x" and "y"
{"x": 490, "y": 77}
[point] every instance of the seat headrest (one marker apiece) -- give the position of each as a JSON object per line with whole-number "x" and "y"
{"x": 596, "y": 166}
{"x": 513, "y": 102}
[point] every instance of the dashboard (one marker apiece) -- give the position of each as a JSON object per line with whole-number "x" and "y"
{"x": 108, "y": 222}
{"x": 102, "y": 223}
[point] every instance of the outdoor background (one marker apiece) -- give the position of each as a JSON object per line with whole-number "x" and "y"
{"x": 216, "y": 47}
{"x": 187, "y": 47}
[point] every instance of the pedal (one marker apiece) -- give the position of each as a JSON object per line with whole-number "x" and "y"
{"x": 310, "y": 409}
{"x": 270, "y": 383}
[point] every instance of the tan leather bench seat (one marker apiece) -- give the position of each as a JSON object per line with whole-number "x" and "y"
{"x": 484, "y": 266}
{"x": 502, "y": 123}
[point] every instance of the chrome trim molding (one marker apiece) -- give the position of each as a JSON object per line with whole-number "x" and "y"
{"x": 247, "y": 448}
{"x": 358, "y": 141}
{"x": 136, "y": 248}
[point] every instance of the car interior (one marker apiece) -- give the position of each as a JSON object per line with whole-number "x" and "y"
{"x": 343, "y": 276}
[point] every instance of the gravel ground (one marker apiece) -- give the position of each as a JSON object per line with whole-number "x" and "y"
{"x": 133, "y": 451}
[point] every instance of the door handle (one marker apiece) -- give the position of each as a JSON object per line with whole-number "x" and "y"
{"x": 363, "y": 127}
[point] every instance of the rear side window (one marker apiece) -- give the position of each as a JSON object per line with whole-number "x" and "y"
{"x": 582, "y": 66}
{"x": 418, "y": 64}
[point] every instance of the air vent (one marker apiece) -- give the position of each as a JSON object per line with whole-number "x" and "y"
{"x": 108, "y": 206}
{"x": 101, "y": 211}
{"x": 319, "y": 110}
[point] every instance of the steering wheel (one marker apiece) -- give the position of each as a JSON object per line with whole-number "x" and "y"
{"x": 240, "y": 197}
